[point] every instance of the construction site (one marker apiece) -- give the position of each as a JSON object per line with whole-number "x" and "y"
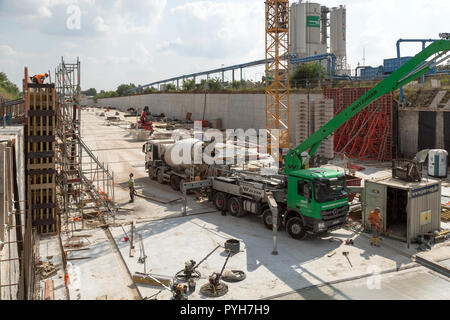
{"x": 333, "y": 186}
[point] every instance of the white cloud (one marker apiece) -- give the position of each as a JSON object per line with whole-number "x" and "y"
{"x": 114, "y": 17}
{"x": 6, "y": 51}
{"x": 138, "y": 56}
{"x": 141, "y": 41}
{"x": 219, "y": 28}
{"x": 70, "y": 45}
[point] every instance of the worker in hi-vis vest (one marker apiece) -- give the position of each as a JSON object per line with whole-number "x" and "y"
{"x": 375, "y": 220}
{"x": 131, "y": 186}
{"x": 39, "y": 78}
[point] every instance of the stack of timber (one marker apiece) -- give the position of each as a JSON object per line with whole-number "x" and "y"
{"x": 40, "y": 140}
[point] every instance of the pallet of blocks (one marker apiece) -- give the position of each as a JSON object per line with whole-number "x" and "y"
{"x": 303, "y": 127}
{"x": 323, "y": 113}
{"x": 40, "y": 130}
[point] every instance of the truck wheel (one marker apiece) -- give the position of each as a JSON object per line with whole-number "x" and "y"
{"x": 181, "y": 185}
{"x": 151, "y": 173}
{"x": 295, "y": 228}
{"x": 235, "y": 207}
{"x": 220, "y": 200}
{"x": 267, "y": 219}
{"x": 160, "y": 176}
{"x": 175, "y": 182}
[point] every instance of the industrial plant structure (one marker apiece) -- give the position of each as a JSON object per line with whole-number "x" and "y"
{"x": 311, "y": 25}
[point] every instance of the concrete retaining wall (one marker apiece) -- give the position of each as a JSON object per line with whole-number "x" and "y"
{"x": 247, "y": 110}
{"x": 10, "y": 272}
{"x": 237, "y": 111}
{"x": 409, "y": 131}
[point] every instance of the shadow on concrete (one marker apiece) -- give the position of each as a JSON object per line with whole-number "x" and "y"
{"x": 257, "y": 243}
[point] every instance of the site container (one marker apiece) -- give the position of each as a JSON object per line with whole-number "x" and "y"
{"x": 408, "y": 209}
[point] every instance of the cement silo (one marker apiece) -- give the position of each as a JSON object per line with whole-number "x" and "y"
{"x": 305, "y": 29}
{"x": 313, "y": 30}
{"x": 338, "y": 35}
{"x": 297, "y": 29}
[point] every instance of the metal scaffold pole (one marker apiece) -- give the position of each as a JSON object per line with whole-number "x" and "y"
{"x": 86, "y": 188}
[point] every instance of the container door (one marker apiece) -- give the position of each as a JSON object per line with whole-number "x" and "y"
{"x": 374, "y": 196}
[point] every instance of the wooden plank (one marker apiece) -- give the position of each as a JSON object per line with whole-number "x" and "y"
{"x": 41, "y": 166}
{"x": 49, "y": 290}
{"x": 80, "y": 258}
{"x": 43, "y": 186}
{"x": 144, "y": 279}
{"x": 133, "y": 230}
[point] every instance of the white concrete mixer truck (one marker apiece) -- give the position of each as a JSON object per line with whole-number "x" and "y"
{"x": 175, "y": 162}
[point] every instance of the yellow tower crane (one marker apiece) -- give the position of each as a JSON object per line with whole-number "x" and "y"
{"x": 277, "y": 74}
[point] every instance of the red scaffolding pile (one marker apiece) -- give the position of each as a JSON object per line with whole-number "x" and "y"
{"x": 368, "y": 135}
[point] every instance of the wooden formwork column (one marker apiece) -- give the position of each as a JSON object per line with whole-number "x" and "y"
{"x": 40, "y": 141}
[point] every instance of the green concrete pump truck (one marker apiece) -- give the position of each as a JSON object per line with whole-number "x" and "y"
{"x": 309, "y": 200}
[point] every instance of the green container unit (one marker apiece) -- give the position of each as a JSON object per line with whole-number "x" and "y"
{"x": 408, "y": 209}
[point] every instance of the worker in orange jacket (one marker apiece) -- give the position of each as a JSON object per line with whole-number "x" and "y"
{"x": 375, "y": 221}
{"x": 39, "y": 78}
{"x": 67, "y": 280}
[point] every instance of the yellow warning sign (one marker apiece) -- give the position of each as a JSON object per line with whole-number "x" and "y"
{"x": 425, "y": 217}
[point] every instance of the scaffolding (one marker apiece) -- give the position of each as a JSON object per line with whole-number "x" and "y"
{"x": 86, "y": 186}
{"x": 369, "y": 134}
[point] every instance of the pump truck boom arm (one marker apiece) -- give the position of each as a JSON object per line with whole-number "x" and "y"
{"x": 298, "y": 158}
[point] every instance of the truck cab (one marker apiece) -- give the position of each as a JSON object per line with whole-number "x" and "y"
{"x": 317, "y": 201}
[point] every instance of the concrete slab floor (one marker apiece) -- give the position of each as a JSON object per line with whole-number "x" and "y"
{"x": 169, "y": 243}
{"x": 114, "y": 147}
{"x": 171, "y": 239}
{"x": 49, "y": 251}
{"x": 413, "y": 284}
{"x": 101, "y": 273}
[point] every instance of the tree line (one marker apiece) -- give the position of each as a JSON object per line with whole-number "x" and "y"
{"x": 8, "y": 89}
{"x": 304, "y": 73}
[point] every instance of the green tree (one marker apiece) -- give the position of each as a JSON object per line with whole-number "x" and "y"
{"x": 124, "y": 89}
{"x": 170, "y": 87}
{"x": 105, "y": 94}
{"x": 9, "y": 89}
{"x": 149, "y": 90}
{"x": 444, "y": 67}
{"x": 214, "y": 84}
{"x": 90, "y": 92}
{"x": 306, "y": 72}
{"x": 188, "y": 84}
{"x": 239, "y": 84}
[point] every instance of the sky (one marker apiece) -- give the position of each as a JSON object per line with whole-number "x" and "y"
{"x": 141, "y": 41}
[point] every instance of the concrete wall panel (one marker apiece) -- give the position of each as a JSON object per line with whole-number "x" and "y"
{"x": 408, "y": 132}
{"x": 247, "y": 110}
{"x": 237, "y": 111}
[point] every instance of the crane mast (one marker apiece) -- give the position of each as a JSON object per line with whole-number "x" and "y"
{"x": 277, "y": 74}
